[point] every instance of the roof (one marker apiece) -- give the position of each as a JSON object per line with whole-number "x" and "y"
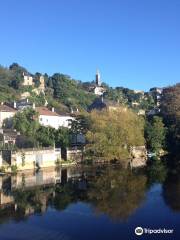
{"x": 10, "y": 132}
{"x": 45, "y": 111}
{"x": 100, "y": 104}
{"x": 5, "y": 108}
{"x": 63, "y": 113}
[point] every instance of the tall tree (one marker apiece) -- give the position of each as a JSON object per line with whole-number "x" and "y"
{"x": 170, "y": 109}
{"x": 155, "y": 133}
{"x": 113, "y": 133}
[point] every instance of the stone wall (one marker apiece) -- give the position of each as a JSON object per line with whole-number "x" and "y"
{"x": 139, "y": 156}
{"x": 26, "y": 159}
{"x": 74, "y": 154}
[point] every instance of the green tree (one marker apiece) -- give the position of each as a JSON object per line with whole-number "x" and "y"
{"x": 17, "y": 75}
{"x": 170, "y": 110}
{"x": 81, "y": 124}
{"x": 69, "y": 91}
{"x": 26, "y": 122}
{"x": 155, "y": 133}
{"x": 45, "y": 136}
{"x": 62, "y": 138}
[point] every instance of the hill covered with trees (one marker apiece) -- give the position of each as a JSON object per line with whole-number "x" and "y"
{"x": 64, "y": 92}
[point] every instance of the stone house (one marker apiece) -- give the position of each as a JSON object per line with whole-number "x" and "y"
{"x": 27, "y": 80}
{"x": 100, "y": 103}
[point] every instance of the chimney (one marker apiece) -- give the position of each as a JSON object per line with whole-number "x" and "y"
{"x": 33, "y": 106}
{"x": 15, "y": 105}
{"x": 52, "y": 109}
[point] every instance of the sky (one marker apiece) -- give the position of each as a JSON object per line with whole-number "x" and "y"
{"x": 134, "y": 43}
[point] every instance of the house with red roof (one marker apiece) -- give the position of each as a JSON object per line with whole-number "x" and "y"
{"x": 52, "y": 119}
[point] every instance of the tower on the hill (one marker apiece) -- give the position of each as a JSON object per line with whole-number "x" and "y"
{"x": 98, "y": 78}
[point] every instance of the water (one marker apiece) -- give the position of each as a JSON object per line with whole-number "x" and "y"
{"x": 89, "y": 203}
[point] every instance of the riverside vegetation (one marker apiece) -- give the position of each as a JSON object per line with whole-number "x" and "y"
{"x": 109, "y": 134}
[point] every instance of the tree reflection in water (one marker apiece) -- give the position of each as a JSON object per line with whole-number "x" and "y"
{"x": 118, "y": 193}
{"x": 171, "y": 192}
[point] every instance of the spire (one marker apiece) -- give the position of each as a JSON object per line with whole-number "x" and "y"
{"x": 98, "y": 78}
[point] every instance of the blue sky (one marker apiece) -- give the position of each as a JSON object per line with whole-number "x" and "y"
{"x": 134, "y": 43}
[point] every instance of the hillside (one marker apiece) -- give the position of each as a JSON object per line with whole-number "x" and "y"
{"x": 63, "y": 92}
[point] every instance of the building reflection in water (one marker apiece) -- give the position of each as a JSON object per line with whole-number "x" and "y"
{"x": 30, "y": 192}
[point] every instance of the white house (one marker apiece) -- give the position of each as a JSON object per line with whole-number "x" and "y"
{"x": 53, "y": 119}
{"x": 98, "y": 90}
{"x": 6, "y": 113}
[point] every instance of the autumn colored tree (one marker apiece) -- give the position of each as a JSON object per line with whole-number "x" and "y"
{"x": 113, "y": 133}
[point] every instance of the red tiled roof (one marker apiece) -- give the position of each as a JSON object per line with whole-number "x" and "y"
{"x": 5, "y": 108}
{"x": 45, "y": 111}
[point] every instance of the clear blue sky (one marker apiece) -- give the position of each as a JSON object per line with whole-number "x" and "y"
{"x": 134, "y": 43}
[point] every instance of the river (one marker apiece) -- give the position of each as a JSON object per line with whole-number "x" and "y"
{"x": 89, "y": 203}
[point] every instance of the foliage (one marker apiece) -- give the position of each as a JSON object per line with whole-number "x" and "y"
{"x": 155, "y": 134}
{"x": 14, "y": 169}
{"x": 69, "y": 92}
{"x": 2, "y": 169}
{"x": 62, "y": 137}
{"x": 17, "y": 75}
{"x": 170, "y": 108}
{"x": 127, "y": 96}
{"x": 45, "y": 136}
{"x": 48, "y": 136}
{"x": 81, "y": 124}
{"x": 112, "y": 133}
{"x": 39, "y": 100}
{"x": 26, "y": 122}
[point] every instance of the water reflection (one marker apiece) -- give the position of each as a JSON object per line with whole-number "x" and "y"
{"x": 111, "y": 190}
{"x": 118, "y": 193}
{"x": 171, "y": 192}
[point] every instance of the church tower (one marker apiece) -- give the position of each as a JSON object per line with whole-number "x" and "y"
{"x": 98, "y": 78}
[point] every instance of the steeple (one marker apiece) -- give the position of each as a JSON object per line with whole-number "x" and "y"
{"x": 98, "y": 78}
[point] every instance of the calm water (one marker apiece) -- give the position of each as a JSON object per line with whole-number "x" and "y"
{"x": 89, "y": 203}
